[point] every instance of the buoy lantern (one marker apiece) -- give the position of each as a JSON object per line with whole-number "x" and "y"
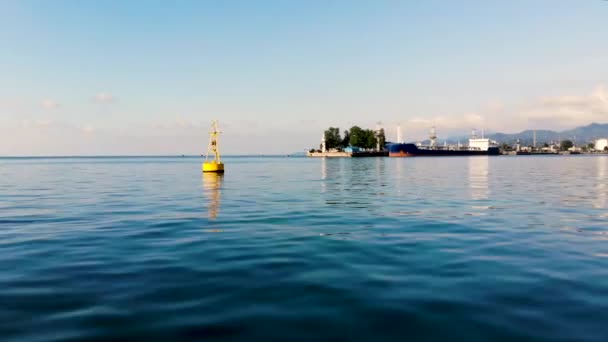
{"x": 216, "y": 164}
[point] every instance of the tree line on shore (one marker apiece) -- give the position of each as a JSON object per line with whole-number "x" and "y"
{"x": 354, "y": 137}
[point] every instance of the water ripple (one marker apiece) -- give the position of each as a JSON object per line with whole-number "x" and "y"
{"x": 304, "y": 249}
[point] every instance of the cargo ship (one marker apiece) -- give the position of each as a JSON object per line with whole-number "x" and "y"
{"x": 478, "y": 146}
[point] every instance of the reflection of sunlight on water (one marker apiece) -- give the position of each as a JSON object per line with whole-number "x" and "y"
{"x": 353, "y": 183}
{"x": 212, "y": 183}
{"x": 399, "y": 174}
{"x": 601, "y": 196}
{"x": 478, "y": 177}
{"x": 332, "y": 170}
{"x": 323, "y": 174}
{"x": 323, "y": 168}
{"x": 381, "y": 176}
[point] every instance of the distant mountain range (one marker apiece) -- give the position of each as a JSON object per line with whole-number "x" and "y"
{"x": 579, "y": 135}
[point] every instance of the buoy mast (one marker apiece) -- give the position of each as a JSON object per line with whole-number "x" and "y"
{"x": 216, "y": 164}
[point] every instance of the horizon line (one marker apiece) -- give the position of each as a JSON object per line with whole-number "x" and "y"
{"x": 143, "y": 155}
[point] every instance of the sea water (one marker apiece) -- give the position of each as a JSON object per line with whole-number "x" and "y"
{"x": 302, "y": 249}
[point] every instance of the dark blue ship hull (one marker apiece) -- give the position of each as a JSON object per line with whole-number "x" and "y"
{"x": 411, "y": 150}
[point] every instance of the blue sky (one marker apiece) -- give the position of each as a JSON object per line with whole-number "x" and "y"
{"x": 147, "y": 77}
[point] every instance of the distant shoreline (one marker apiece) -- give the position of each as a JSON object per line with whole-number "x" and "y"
{"x": 152, "y": 156}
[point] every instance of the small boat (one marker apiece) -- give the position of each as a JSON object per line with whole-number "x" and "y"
{"x": 216, "y": 164}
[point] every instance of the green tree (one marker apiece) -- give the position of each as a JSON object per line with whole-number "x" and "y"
{"x": 370, "y": 139}
{"x": 566, "y": 144}
{"x": 332, "y": 138}
{"x": 346, "y": 139}
{"x": 591, "y": 146}
{"x": 605, "y": 148}
{"x": 381, "y": 138}
{"x": 363, "y": 138}
{"x": 356, "y": 136}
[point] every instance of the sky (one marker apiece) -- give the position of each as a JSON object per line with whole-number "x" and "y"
{"x": 147, "y": 77}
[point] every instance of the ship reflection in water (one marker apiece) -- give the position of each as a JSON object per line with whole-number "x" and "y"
{"x": 212, "y": 183}
{"x": 478, "y": 178}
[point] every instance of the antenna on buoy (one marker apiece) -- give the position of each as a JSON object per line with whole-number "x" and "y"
{"x": 216, "y": 164}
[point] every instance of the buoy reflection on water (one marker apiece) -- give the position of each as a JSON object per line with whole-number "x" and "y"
{"x": 212, "y": 183}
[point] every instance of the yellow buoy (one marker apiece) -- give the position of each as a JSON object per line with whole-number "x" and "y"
{"x": 215, "y": 165}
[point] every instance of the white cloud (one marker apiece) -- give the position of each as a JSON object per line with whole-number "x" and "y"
{"x": 188, "y": 134}
{"x": 49, "y": 104}
{"x": 570, "y": 111}
{"x": 88, "y": 129}
{"x": 104, "y": 97}
{"x": 601, "y": 94}
{"x": 40, "y": 123}
{"x": 418, "y": 128}
{"x": 178, "y": 123}
{"x": 558, "y": 113}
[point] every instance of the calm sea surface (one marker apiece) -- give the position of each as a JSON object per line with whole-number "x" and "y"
{"x": 297, "y": 249}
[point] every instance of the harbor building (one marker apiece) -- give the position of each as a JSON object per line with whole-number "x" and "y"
{"x": 601, "y": 144}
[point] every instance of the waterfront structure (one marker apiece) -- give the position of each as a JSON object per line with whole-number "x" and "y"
{"x": 377, "y": 135}
{"x": 399, "y": 137}
{"x": 323, "y": 144}
{"x": 601, "y": 144}
{"x": 433, "y": 137}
